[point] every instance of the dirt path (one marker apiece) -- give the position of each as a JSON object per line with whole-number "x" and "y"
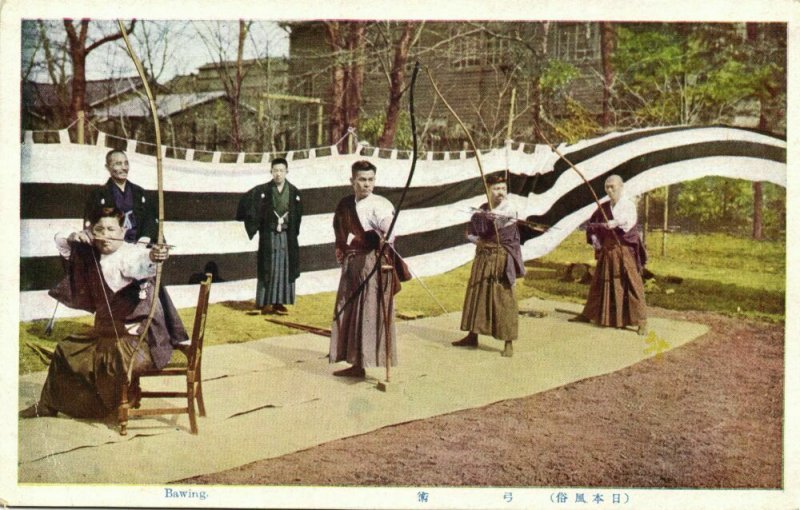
{"x": 708, "y": 414}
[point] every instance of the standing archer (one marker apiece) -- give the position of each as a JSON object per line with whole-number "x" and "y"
{"x": 490, "y": 307}
{"x": 274, "y": 211}
{"x": 616, "y": 294}
{"x": 364, "y": 314}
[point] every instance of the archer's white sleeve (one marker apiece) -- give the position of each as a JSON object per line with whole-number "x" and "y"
{"x": 62, "y": 245}
{"x": 624, "y": 214}
{"x": 381, "y": 216}
{"x": 136, "y": 263}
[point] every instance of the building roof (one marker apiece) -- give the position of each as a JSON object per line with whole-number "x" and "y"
{"x": 245, "y": 62}
{"x": 98, "y": 91}
{"x": 38, "y": 96}
{"x": 167, "y": 104}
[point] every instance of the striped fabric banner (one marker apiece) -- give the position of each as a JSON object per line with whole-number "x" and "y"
{"x": 201, "y": 199}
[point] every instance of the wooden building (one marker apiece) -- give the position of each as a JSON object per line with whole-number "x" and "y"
{"x": 478, "y": 68}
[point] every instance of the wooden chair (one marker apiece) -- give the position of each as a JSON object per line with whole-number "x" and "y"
{"x": 192, "y": 372}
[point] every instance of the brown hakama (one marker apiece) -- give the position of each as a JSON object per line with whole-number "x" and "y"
{"x": 358, "y": 335}
{"x": 86, "y": 374}
{"x": 616, "y": 295}
{"x": 490, "y": 307}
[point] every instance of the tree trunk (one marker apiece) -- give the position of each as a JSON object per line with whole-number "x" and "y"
{"x": 78, "y": 101}
{"x": 337, "y": 123}
{"x": 396, "y": 79}
{"x": 236, "y": 90}
{"x": 355, "y": 76}
{"x": 78, "y": 50}
{"x": 55, "y": 71}
{"x": 77, "y": 55}
{"x": 606, "y": 50}
{"x": 336, "y": 129}
{"x": 758, "y": 192}
{"x": 347, "y": 41}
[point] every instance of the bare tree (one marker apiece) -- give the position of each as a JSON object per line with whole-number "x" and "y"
{"x": 396, "y": 78}
{"x": 492, "y": 109}
{"x": 79, "y": 49}
{"x": 268, "y": 124}
{"x": 31, "y": 44}
{"x": 347, "y": 42}
{"x": 339, "y": 70}
{"x": 527, "y": 54}
{"x": 539, "y": 50}
{"x": 157, "y": 45}
{"x": 231, "y": 72}
{"x": 606, "y": 52}
{"x": 234, "y": 87}
{"x": 43, "y": 73}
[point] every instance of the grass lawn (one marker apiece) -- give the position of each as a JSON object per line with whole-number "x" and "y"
{"x": 721, "y": 273}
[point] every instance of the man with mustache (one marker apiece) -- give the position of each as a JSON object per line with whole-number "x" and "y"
{"x": 490, "y": 307}
{"x": 141, "y": 216}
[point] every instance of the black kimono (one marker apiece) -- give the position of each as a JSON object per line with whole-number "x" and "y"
{"x": 145, "y": 212}
{"x": 257, "y": 211}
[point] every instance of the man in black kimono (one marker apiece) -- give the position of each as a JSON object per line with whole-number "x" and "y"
{"x": 274, "y": 210}
{"x": 140, "y": 212}
{"x": 141, "y": 216}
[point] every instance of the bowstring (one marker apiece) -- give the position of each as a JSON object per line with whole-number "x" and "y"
{"x": 105, "y": 296}
{"x": 388, "y": 234}
{"x": 583, "y": 177}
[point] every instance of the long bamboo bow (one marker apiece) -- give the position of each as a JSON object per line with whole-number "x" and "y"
{"x": 389, "y": 231}
{"x": 582, "y": 176}
{"x": 160, "y": 174}
{"x": 413, "y": 155}
{"x": 466, "y": 131}
{"x": 471, "y": 143}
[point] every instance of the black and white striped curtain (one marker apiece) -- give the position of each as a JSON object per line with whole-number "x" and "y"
{"x": 201, "y": 198}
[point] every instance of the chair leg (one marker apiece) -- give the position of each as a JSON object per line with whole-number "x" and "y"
{"x": 190, "y": 405}
{"x": 201, "y": 406}
{"x": 123, "y": 410}
{"x": 135, "y": 393}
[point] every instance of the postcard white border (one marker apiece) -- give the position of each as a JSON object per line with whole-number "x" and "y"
{"x": 13, "y": 11}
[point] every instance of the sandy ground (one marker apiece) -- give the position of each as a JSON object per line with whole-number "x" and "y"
{"x": 708, "y": 414}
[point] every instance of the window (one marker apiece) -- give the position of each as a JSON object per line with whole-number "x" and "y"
{"x": 477, "y": 50}
{"x": 577, "y": 42}
{"x": 466, "y": 52}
